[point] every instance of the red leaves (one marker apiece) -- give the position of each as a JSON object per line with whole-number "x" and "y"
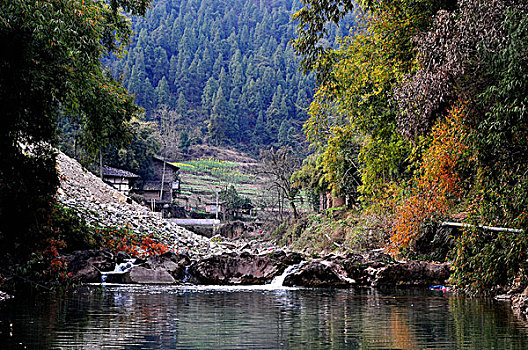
{"x": 134, "y": 244}
{"x": 437, "y": 186}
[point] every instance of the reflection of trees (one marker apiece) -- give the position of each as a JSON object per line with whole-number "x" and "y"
{"x": 480, "y": 323}
{"x": 138, "y": 317}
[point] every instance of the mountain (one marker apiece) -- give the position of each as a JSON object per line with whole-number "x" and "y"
{"x": 220, "y": 72}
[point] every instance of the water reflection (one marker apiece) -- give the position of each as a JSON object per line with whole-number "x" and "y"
{"x": 124, "y": 317}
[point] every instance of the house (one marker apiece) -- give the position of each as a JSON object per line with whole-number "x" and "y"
{"x": 161, "y": 192}
{"x": 211, "y": 207}
{"x": 119, "y": 179}
{"x": 165, "y": 185}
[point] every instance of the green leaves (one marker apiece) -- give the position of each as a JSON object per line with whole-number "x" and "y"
{"x": 311, "y": 28}
{"x": 49, "y": 69}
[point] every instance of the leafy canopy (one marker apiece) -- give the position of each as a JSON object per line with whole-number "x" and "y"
{"x": 50, "y": 68}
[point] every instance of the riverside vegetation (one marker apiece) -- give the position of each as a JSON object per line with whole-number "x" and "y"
{"x": 418, "y": 117}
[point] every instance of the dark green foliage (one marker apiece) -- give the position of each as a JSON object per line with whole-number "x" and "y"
{"x": 219, "y": 64}
{"x": 184, "y": 142}
{"x": 232, "y": 200}
{"x": 50, "y": 68}
{"x": 143, "y": 143}
{"x": 484, "y": 260}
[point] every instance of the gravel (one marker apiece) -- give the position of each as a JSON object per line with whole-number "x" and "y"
{"x": 103, "y": 206}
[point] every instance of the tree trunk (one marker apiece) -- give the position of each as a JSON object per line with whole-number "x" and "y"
{"x": 294, "y": 208}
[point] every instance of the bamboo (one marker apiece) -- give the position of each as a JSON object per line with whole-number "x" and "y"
{"x": 490, "y": 228}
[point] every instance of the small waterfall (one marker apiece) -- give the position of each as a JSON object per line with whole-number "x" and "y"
{"x": 119, "y": 269}
{"x": 279, "y": 280}
{"x": 187, "y": 276}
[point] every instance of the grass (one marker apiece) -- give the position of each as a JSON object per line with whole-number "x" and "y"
{"x": 201, "y": 178}
{"x": 216, "y": 170}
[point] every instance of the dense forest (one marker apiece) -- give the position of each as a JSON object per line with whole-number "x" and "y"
{"x": 420, "y": 118}
{"x": 221, "y": 72}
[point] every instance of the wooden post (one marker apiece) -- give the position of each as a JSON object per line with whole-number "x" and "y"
{"x": 101, "y": 162}
{"x": 217, "y": 204}
{"x": 162, "y": 180}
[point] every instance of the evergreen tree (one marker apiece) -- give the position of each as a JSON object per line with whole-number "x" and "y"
{"x": 198, "y": 46}
{"x": 163, "y": 92}
{"x": 182, "y": 106}
{"x": 218, "y": 124}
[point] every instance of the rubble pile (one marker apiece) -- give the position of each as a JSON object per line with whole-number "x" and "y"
{"x": 103, "y": 206}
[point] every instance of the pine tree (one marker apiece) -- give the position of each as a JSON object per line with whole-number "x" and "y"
{"x": 163, "y": 92}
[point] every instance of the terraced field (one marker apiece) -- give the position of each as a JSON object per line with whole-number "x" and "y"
{"x": 202, "y": 178}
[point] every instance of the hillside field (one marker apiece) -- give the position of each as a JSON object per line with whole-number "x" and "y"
{"x": 203, "y": 174}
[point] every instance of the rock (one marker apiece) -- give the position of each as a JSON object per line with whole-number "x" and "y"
{"x": 412, "y": 273}
{"x": 143, "y": 275}
{"x": 316, "y": 274}
{"x": 121, "y": 257}
{"x": 85, "y": 265}
{"x": 519, "y": 305}
{"x": 174, "y": 264}
{"x": 244, "y": 268}
{"x": 379, "y": 258}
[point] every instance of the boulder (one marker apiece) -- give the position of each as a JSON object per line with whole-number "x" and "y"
{"x": 244, "y": 268}
{"x": 319, "y": 273}
{"x": 412, "y": 273}
{"x": 174, "y": 264}
{"x": 144, "y": 275}
{"x": 85, "y": 265}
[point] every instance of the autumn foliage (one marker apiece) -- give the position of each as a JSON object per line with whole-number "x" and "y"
{"x": 124, "y": 240}
{"x": 438, "y": 185}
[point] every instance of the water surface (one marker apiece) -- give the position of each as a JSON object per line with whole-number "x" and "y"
{"x": 138, "y": 317}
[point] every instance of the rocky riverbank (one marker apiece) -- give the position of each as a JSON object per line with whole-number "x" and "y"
{"x": 218, "y": 260}
{"x": 245, "y": 268}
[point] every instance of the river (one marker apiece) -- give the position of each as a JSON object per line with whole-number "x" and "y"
{"x": 154, "y": 317}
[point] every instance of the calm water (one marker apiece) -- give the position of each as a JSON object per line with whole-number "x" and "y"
{"x": 124, "y": 317}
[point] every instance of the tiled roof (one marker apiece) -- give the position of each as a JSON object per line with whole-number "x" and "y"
{"x": 158, "y": 158}
{"x": 109, "y": 171}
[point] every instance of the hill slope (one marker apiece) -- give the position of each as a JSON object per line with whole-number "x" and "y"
{"x": 102, "y": 205}
{"x": 225, "y": 67}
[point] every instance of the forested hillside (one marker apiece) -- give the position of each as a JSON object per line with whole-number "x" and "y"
{"x": 219, "y": 71}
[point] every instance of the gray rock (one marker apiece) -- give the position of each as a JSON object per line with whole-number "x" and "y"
{"x": 232, "y": 268}
{"x": 412, "y": 273}
{"x": 174, "y": 264}
{"x": 317, "y": 274}
{"x": 85, "y": 265}
{"x": 143, "y": 275}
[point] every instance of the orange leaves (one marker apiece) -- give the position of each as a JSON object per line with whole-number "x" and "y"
{"x": 56, "y": 268}
{"x": 437, "y": 185}
{"x": 123, "y": 240}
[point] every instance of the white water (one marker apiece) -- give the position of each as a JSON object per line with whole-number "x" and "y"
{"x": 279, "y": 280}
{"x": 187, "y": 276}
{"x": 119, "y": 269}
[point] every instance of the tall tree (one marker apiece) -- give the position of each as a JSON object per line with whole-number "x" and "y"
{"x": 218, "y": 41}
{"x": 50, "y": 66}
{"x": 279, "y": 166}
